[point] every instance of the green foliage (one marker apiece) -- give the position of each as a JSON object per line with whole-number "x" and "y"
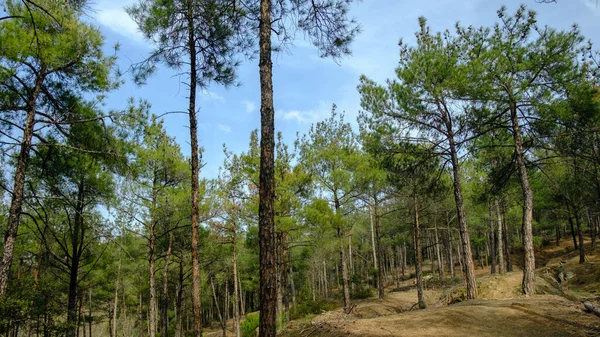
{"x": 250, "y": 324}
{"x": 309, "y": 307}
{"x": 361, "y": 292}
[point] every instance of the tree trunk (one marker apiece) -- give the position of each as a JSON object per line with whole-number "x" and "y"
{"x": 90, "y": 316}
{"x": 573, "y": 233}
{"x": 350, "y": 256}
{"x": 279, "y": 258}
{"x": 528, "y": 284}
{"x": 178, "y": 302}
{"x": 380, "y": 274}
{"x": 152, "y": 258}
{"x": 499, "y": 239}
{"x": 165, "y": 307}
{"x": 268, "y": 295}
{"x": 221, "y": 320}
{"x": 579, "y": 234}
{"x": 404, "y": 261}
{"x": 440, "y": 257}
{"x": 418, "y": 255}
{"x": 373, "y": 237}
{"x": 460, "y": 211}
{"x": 507, "y": 240}
{"x": 284, "y": 278}
{"x": 195, "y": 161}
{"x": 77, "y": 247}
{"x": 236, "y": 297}
{"x": 492, "y": 240}
{"x": 14, "y": 213}
{"x": 592, "y": 227}
{"x": 340, "y": 233}
{"x": 292, "y": 286}
{"x": 113, "y": 331}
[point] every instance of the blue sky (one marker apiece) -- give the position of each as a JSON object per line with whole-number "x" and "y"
{"x": 305, "y": 86}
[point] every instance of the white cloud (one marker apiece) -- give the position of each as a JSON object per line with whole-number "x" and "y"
{"x": 211, "y": 95}
{"x": 306, "y": 116}
{"x": 592, "y": 5}
{"x": 116, "y": 19}
{"x": 249, "y": 105}
{"x": 224, "y": 128}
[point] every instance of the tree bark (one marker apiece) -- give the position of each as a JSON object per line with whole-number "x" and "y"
{"x": 279, "y": 257}
{"x": 492, "y": 240}
{"x": 573, "y": 233}
{"x": 113, "y": 328}
{"x": 77, "y": 248}
{"x": 268, "y": 296}
{"x": 195, "y": 161}
{"x": 528, "y": 284}
{"x": 418, "y": 255}
{"x": 373, "y": 237}
{"x": 165, "y": 307}
{"x": 90, "y": 316}
{"x": 152, "y": 281}
{"x": 178, "y": 302}
{"x": 467, "y": 256}
{"x": 14, "y": 213}
{"x": 380, "y": 274}
{"x": 340, "y": 233}
{"x": 592, "y": 227}
{"x": 500, "y": 238}
{"x": 469, "y": 268}
{"x": 221, "y": 320}
{"x": 236, "y": 297}
{"x": 579, "y": 234}
{"x": 439, "y": 253}
{"x": 507, "y": 240}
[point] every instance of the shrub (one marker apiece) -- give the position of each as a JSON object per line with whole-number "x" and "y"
{"x": 537, "y": 241}
{"x": 361, "y": 293}
{"x": 249, "y": 325}
{"x": 310, "y": 307}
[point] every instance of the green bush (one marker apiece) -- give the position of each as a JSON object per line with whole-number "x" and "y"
{"x": 537, "y": 241}
{"x": 250, "y": 324}
{"x": 360, "y": 293}
{"x": 310, "y": 307}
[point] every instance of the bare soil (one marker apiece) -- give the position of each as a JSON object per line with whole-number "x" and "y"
{"x": 501, "y": 310}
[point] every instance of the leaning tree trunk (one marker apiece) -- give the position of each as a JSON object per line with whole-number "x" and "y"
{"x": 14, "y": 213}
{"x": 528, "y": 284}
{"x": 418, "y": 255}
{"x": 196, "y": 287}
{"x": 221, "y": 320}
{"x": 266, "y": 219}
{"x": 469, "y": 268}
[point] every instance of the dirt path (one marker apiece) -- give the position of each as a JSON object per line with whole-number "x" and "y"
{"x": 540, "y": 316}
{"x": 500, "y": 311}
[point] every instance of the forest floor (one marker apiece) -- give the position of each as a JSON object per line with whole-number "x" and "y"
{"x": 501, "y": 310}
